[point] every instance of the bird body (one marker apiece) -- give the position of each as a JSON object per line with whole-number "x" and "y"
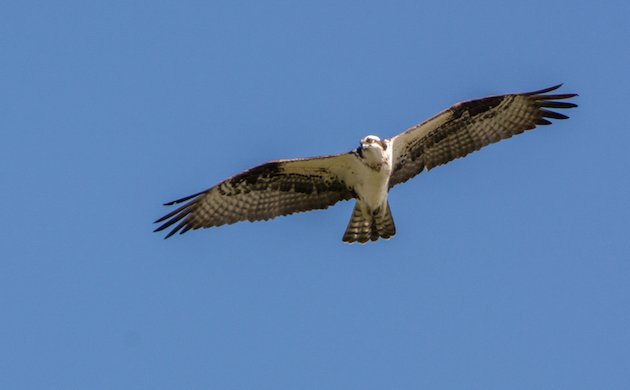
{"x": 373, "y": 171}
{"x": 367, "y": 173}
{"x": 371, "y": 213}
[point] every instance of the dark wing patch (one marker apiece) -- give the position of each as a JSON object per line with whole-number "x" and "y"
{"x": 261, "y": 193}
{"x": 469, "y": 126}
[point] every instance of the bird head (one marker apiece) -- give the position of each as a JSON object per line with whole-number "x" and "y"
{"x": 372, "y": 142}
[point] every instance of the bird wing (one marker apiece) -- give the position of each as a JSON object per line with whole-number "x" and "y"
{"x": 266, "y": 191}
{"x": 468, "y": 126}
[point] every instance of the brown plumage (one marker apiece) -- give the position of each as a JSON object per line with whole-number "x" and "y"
{"x": 285, "y": 187}
{"x": 469, "y": 126}
{"x": 276, "y": 188}
{"x": 367, "y": 225}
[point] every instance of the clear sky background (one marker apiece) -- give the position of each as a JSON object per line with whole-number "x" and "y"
{"x": 510, "y": 269}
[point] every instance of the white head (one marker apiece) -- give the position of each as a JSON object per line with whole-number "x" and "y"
{"x": 374, "y": 150}
{"x": 372, "y": 142}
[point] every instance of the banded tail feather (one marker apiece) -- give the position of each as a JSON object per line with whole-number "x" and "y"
{"x": 369, "y": 225}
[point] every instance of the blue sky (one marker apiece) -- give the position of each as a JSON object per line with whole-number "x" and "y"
{"x": 510, "y": 269}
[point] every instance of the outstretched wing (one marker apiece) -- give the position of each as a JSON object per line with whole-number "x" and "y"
{"x": 469, "y": 126}
{"x": 269, "y": 190}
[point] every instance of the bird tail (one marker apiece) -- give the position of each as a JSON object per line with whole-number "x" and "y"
{"x": 366, "y": 224}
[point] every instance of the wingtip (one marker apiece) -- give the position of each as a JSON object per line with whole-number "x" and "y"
{"x": 170, "y": 233}
{"x": 552, "y": 114}
{"x": 159, "y": 228}
{"x": 181, "y": 200}
{"x": 545, "y": 90}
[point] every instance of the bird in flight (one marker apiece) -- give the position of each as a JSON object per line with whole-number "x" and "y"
{"x": 367, "y": 173}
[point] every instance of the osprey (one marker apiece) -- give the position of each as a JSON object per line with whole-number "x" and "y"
{"x": 367, "y": 173}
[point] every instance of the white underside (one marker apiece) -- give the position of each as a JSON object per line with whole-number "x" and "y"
{"x": 372, "y": 186}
